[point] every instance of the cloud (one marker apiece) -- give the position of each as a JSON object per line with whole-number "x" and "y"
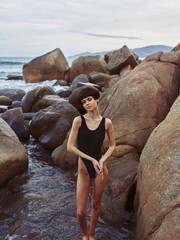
{"x": 91, "y": 25}
{"x": 104, "y": 35}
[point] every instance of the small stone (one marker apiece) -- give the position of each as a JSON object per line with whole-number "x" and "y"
{"x": 5, "y": 101}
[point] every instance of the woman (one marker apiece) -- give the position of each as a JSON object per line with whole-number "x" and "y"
{"x": 89, "y": 132}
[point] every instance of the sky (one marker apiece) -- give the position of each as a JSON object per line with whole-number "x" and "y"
{"x": 32, "y": 28}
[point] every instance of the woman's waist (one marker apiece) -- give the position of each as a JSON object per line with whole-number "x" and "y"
{"x": 94, "y": 154}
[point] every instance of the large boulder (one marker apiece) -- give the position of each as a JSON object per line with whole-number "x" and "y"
{"x": 120, "y": 188}
{"x": 107, "y": 56}
{"x": 62, "y": 158}
{"x": 125, "y": 69}
{"x": 101, "y": 79}
{"x": 13, "y": 155}
{"x": 33, "y": 96}
{"x": 64, "y": 93}
{"x": 172, "y": 57}
{"x": 154, "y": 56}
{"x": 51, "y": 124}
{"x": 45, "y": 102}
{"x": 52, "y": 65}
{"x": 113, "y": 80}
{"x": 176, "y": 48}
{"x": 136, "y": 104}
{"x": 158, "y": 191}
{"x": 121, "y": 58}
{"x": 86, "y": 65}
{"x": 140, "y": 101}
{"x": 15, "y": 94}
{"x": 80, "y": 78}
{"x": 15, "y": 119}
{"x": 167, "y": 74}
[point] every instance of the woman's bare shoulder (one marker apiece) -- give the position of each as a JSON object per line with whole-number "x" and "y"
{"x": 77, "y": 121}
{"x": 108, "y": 123}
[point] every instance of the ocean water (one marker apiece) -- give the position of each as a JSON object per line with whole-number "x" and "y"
{"x": 14, "y": 66}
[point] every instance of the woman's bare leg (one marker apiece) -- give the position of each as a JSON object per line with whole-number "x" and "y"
{"x": 83, "y": 185}
{"x": 98, "y": 189}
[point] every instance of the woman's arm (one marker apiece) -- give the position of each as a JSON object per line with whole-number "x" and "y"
{"x": 112, "y": 144}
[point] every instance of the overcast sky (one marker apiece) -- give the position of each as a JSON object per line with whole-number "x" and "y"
{"x": 32, "y": 27}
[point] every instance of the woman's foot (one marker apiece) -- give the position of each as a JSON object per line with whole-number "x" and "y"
{"x": 91, "y": 238}
{"x": 85, "y": 238}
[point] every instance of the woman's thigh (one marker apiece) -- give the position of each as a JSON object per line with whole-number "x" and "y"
{"x": 98, "y": 186}
{"x": 82, "y": 191}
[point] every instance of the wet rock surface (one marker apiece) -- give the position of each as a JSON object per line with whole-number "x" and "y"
{"x": 14, "y": 94}
{"x": 136, "y": 104}
{"x": 14, "y": 77}
{"x": 62, "y": 158}
{"x": 64, "y": 93}
{"x": 82, "y": 78}
{"x": 45, "y": 102}
{"x": 101, "y": 79}
{"x": 158, "y": 193}
{"x": 15, "y": 120}
{"x": 13, "y": 155}
{"x": 51, "y": 124}
{"x": 32, "y": 97}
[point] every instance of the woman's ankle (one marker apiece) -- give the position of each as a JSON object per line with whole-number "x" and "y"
{"x": 85, "y": 237}
{"x": 91, "y": 237}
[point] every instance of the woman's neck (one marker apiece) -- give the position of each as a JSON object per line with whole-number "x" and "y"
{"x": 93, "y": 114}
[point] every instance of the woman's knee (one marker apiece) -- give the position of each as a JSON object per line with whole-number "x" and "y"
{"x": 81, "y": 213}
{"x": 96, "y": 205}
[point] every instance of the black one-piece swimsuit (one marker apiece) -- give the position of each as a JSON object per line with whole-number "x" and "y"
{"x": 90, "y": 143}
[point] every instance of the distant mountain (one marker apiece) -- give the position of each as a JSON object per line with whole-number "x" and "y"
{"x": 141, "y": 52}
{"x": 145, "y": 51}
{"x": 71, "y": 58}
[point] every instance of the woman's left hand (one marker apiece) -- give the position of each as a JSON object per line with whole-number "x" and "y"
{"x": 101, "y": 163}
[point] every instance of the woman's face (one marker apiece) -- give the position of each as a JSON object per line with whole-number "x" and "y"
{"x": 89, "y": 103}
